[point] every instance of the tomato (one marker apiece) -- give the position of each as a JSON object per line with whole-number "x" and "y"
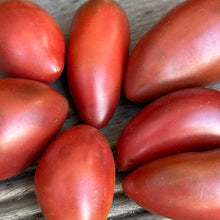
{"x": 75, "y": 176}
{"x": 184, "y": 120}
{"x": 183, "y": 186}
{"x": 32, "y": 45}
{"x": 182, "y": 50}
{"x": 31, "y": 113}
{"x": 96, "y": 57}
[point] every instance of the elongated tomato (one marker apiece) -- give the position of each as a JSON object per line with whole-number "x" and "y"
{"x": 96, "y": 57}
{"x": 32, "y": 45}
{"x": 182, "y": 50}
{"x": 75, "y": 177}
{"x": 180, "y": 187}
{"x": 184, "y": 120}
{"x": 31, "y": 113}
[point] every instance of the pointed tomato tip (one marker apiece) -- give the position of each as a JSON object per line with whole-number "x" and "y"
{"x": 95, "y": 122}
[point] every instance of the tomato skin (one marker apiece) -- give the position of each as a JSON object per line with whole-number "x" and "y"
{"x": 96, "y": 57}
{"x": 32, "y": 44}
{"x": 184, "y": 120}
{"x": 182, "y": 50}
{"x": 183, "y": 186}
{"x": 75, "y": 177}
{"x": 31, "y": 113}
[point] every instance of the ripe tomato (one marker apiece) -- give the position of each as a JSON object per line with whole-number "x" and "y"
{"x": 75, "y": 177}
{"x": 184, "y": 120}
{"x": 31, "y": 113}
{"x": 31, "y": 43}
{"x": 184, "y": 186}
{"x": 181, "y": 50}
{"x": 96, "y": 56}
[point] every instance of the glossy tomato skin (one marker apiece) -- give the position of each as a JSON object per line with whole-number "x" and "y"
{"x": 96, "y": 56}
{"x": 32, "y": 45}
{"x": 181, "y": 187}
{"x": 31, "y": 113}
{"x": 184, "y": 120}
{"x": 75, "y": 177}
{"x": 182, "y": 50}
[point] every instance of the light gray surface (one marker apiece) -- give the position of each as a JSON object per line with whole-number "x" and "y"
{"x": 17, "y": 195}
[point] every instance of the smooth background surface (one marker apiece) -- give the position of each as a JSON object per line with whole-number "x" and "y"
{"x": 17, "y": 194}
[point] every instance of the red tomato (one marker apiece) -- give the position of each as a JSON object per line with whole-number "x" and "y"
{"x": 181, "y": 50}
{"x": 32, "y": 45}
{"x": 184, "y": 120}
{"x": 75, "y": 177}
{"x": 31, "y": 113}
{"x": 96, "y": 57}
{"x": 184, "y": 186}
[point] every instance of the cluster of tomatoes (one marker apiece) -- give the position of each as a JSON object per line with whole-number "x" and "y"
{"x": 75, "y": 176}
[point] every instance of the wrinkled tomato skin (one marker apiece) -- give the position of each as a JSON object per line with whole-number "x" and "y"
{"x": 181, "y": 187}
{"x": 32, "y": 44}
{"x": 96, "y": 57}
{"x": 182, "y": 50}
{"x": 75, "y": 177}
{"x": 31, "y": 114}
{"x": 184, "y": 120}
